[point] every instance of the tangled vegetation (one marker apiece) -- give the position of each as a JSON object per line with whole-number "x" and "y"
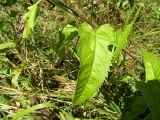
{"x": 79, "y": 59}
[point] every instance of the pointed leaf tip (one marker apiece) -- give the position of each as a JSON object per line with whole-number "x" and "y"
{"x": 95, "y": 60}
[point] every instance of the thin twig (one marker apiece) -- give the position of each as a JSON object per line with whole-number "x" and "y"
{"x": 70, "y": 10}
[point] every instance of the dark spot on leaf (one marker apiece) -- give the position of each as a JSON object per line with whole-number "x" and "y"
{"x": 110, "y": 47}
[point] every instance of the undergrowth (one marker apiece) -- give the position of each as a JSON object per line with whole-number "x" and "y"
{"x": 38, "y": 78}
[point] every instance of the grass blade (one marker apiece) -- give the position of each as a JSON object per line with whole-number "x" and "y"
{"x": 7, "y": 45}
{"x": 21, "y": 113}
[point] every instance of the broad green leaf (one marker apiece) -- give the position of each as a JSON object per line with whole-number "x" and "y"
{"x": 7, "y": 45}
{"x": 152, "y": 66}
{"x": 30, "y": 19}
{"x": 121, "y": 40}
{"x": 69, "y": 32}
{"x": 137, "y": 108}
{"x": 95, "y": 60}
{"x": 21, "y": 113}
{"x": 151, "y": 93}
{"x": 64, "y": 37}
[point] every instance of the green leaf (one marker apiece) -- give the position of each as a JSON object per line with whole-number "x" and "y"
{"x": 30, "y": 19}
{"x": 95, "y": 60}
{"x": 121, "y": 40}
{"x": 138, "y": 107}
{"x": 63, "y": 39}
{"x": 7, "y": 45}
{"x": 152, "y": 66}
{"x": 70, "y": 31}
{"x": 66, "y": 35}
{"x": 60, "y": 38}
{"x": 61, "y": 53}
{"x": 16, "y": 74}
{"x": 21, "y": 113}
{"x": 151, "y": 93}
